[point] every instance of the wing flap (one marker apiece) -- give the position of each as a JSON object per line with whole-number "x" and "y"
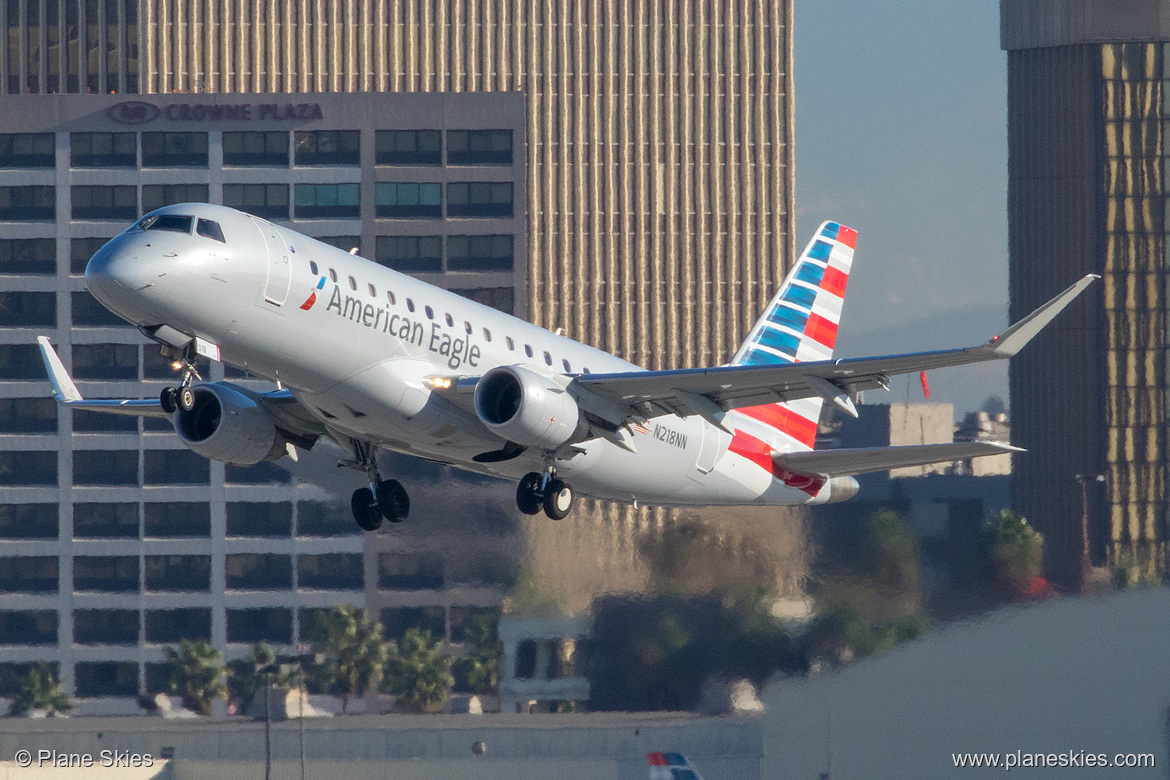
{"x": 863, "y": 460}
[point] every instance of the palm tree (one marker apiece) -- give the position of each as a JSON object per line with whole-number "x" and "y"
{"x": 418, "y": 675}
{"x": 195, "y": 674}
{"x": 355, "y": 652}
{"x": 244, "y": 679}
{"x": 39, "y": 689}
{"x": 483, "y": 650}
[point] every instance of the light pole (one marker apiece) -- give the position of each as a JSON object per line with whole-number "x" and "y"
{"x": 1086, "y": 564}
{"x": 285, "y": 664}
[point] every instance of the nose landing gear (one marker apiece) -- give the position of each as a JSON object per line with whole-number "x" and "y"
{"x": 181, "y": 397}
{"x": 384, "y": 499}
{"x": 537, "y": 491}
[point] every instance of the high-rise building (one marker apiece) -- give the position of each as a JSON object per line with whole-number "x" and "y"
{"x": 1088, "y": 111}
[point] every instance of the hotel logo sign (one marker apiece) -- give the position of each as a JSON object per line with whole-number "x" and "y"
{"x": 138, "y": 112}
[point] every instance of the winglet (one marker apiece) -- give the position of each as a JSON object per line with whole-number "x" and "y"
{"x": 1014, "y": 338}
{"x": 63, "y": 387}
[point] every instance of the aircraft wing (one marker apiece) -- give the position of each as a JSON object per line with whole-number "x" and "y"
{"x": 863, "y": 460}
{"x": 709, "y": 392}
{"x": 281, "y": 404}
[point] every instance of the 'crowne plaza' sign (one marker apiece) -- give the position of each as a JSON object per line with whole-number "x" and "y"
{"x": 138, "y": 112}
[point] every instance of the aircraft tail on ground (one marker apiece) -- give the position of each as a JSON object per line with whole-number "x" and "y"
{"x": 671, "y": 766}
{"x": 799, "y": 326}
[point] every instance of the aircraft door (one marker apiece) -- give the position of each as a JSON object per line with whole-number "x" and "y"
{"x": 279, "y": 264}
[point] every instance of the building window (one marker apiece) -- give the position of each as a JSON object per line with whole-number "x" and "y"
{"x": 330, "y": 571}
{"x": 174, "y": 150}
{"x": 28, "y": 468}
{"x": 28, "y": 309}
{"x": 105, "y": 361}
{"x": 410, "y": 254}
{"x": 479, "y": 253}
{"x": 260, "y": 474}
{"x": 170, "y": 625}
{"x": 106, "y": 678}
{"x": 408, "y": 147}
{"x": 175, "y": 467}
{"x": 269, "y": 150}
{"x": 327, "y": 200}
{"x": 259, "y": 519}
{"x": 177, "y": 520}
{"x": 479, "y": 199}
{"x": 102, "y": 202}
{"x": 28, "y": 521}
{"x": 500, "y": 298}
{"x": 105, "y": 467}
{"x": 263, "y": 200}
{"x": 187, "y": 573}
{"x": 99, "y": 422}
{"x": 479, "y": 147}
{"x": 29, "y": 574}
{"x": 105, "y": 521}
{"x": 463, "y": 618}
{"x": 102, "y": 150}
{"x": 27, "y": 150}
{"x": 23, "y": 204}
{"x": 326, "y": 147}
{"x": 269, "y": 624}
{"x": 81, "y": 250}
{"x": 28, "y": 415}
{"x": 87, "y": 312}
{"x": 155, "y": 196}
{"x": 106, "y": 573}
{"x": 11, "y": 674}
{"x": 405, "y": 200}
{"x": 258, "y": 571}
{"x": 28, "y": 256}
{"x": 105, "y": 626}
{"x": 344, "y": 243}
{"x": 324, "y": 519}
{"x": 398, "y": 620}
{"x": 28, "y": 627}
{"x": 409, "y": 571}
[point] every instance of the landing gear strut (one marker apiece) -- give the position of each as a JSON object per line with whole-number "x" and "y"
{"x": 181, "y": 397}
{"x": 384, "y": 499}
{"x": 545, "y": 491}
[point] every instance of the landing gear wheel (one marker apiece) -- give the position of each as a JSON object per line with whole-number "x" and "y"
{"x": 186, "y": 399}
{"x": 528, "y": 494}
{"x": 392, "y": 500}
{"x": 169, "y": 398}
{"x": 365, "y": 510}
{"x": 558, "y": 499}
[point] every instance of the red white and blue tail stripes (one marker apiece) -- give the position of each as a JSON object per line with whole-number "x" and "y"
{"x": 799, "y": 325}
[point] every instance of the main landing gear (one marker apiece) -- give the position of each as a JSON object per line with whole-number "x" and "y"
{"x": 545, "y": 491}
{"x": 384, "y": 499}
{"x": 181, "y": 397}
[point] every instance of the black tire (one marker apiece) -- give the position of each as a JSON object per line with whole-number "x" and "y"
{"x": 393, "y": 502}
{"x": 528, "y": 493}
{"x": 186, "y": 399}
{"x": 169, "y": 398}
{"x": 558, "y": 499}
{"x": 365, "y": 510}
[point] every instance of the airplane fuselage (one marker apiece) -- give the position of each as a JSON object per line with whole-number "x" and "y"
{"x": 359, "y": 344}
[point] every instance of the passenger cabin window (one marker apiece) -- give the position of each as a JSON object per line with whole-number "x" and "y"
{"x": 176, "y": 223}
{"x": 390, "y": 297}
{"x": 528, "y": 350}
{"x": 209, "y": 229}
{"x": 587, "y": 371}
{"x": 467, "y": 327}
{"x": 430, "y": 312}
{"x": 450, "y": 320}
{"x": 352, "y": 283}
{"x": 373, "y": 292}
{"x": 547, "y": 359}
{"x": 333, "y": 275}
{"x": 487, "y": 335}
{"x": 568, "y": 368}
{"x": 313, "y": 267}
{"x": 410, "y": 304}
{"x": 511, "y": 344}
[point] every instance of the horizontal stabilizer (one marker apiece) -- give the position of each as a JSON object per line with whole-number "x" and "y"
{"x": 863, "y": 460}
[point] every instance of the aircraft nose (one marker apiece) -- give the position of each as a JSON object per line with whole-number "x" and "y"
{"x": 113, "y": 272}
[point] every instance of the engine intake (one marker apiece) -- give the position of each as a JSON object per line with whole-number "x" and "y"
{"x": 227, "y": 425}
{"x": 527, "y": 408}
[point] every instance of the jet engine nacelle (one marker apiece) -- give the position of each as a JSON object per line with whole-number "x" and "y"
{"x": 527, "y": 408}
{"x": 224, "y": 424}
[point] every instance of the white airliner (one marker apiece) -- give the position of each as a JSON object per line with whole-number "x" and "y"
{"x": 371, "y": 358}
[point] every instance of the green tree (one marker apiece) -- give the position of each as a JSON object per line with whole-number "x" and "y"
{"x": 245, "y": 682}
{"x": 39, "y": 689}
{"x": 1012, "y": 553}
{"x": 418, "y": 676}
{"x": 355, "y": 652}
{"x": 195, "y": 674}
{"x": 480, "y": 665}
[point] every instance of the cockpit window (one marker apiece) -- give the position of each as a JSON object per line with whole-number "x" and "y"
{"x": 178, "y": 223}
{"x": 206, "y": 227}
